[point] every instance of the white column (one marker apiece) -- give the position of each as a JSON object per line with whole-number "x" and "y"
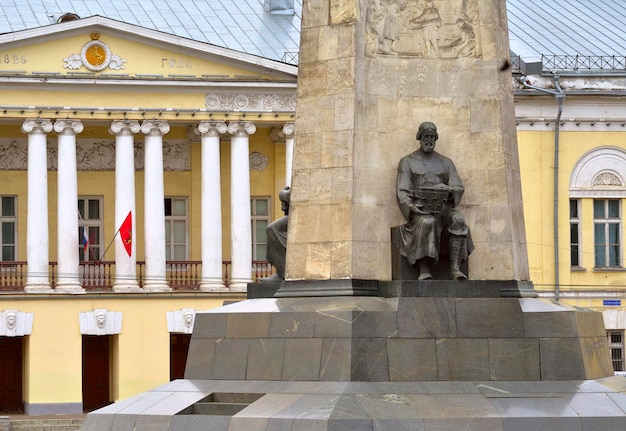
{"x": 240, "y": 229}
{"x": 211, "y": 218}
{"x": 288, "y": 130}
{"x": 68, "y": 270}
{"x": 125, "y": 265}
{"x": 37, "y": 241}
{"x": 154, "y": 210}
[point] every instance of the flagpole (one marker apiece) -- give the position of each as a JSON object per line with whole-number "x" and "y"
{"x": 86, "y": 235}
{"x": 109, "y": 246}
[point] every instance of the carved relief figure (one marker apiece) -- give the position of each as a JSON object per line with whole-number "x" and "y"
{"x": 465, "y": 44}
{"x": 391, "y": 31}
{"x": 422, "y": 28}
{"x": 428, "y": 22}
{"x": 11, "y": 320}
{"x": 188, "y": 315}
{"x": 101, "y": 318}
{"x": 96, "y": 156}
{"x": 428, "y": 190}
{"x": 14, "y": 156}
{"x": 374, "y": 24}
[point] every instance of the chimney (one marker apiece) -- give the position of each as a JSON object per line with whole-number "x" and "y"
{"x": 279, "y": 7}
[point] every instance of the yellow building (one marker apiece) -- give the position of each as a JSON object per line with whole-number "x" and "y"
{"x": 572, "y": 141}
{"x": 137, "y": 126}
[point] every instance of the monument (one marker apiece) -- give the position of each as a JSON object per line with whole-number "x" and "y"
{"x": 342, "y": 345}
{"x": 277, "y": 238}
{"x": 429, "y": 191}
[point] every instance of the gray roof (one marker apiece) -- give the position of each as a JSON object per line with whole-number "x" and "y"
{"x": 536, "y": 27}
{"x": 567, "y": 27}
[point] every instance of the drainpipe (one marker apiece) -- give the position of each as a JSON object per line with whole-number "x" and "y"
{"x": 559, "y": 96}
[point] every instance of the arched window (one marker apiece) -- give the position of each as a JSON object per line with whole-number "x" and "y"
{"x": 599, "y": 176}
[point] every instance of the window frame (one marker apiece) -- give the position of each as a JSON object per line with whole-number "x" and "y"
{"x": 170, "y": 244}
{"x": 254, "y": 217}
{"x": 86, "y": 222}
{"x": 607, "y": 221}
{"x": 8, "y": 219}
{"x": 616, "y": 348}
{"x": 575, "y": 222}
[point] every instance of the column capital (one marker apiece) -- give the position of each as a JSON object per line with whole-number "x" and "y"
{"x": 289, "y": 129}
{"x": 211, "y": 128}
{"x": 68, "y": 127}
{"x": 279, "y": 134}
{"x": 126, "y": 127}
{"x": 155, "y": 128}
{"x": 36, "y": 126}
{"x": 241, "y": 128}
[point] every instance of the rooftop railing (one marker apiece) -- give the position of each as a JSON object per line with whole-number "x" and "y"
{"x": 576, "y": 63}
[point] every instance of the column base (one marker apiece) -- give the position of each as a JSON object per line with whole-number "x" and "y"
{"x": 156, "y": 286}
{"x": 213, "y": 287}
{"x": 240, "y": 286}
{"x": 38, "y": 287}
{"x": 73, "y": 288}
{"x": 126, "y": 286}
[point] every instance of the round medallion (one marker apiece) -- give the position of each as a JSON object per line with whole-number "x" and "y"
{"x": 95, "y": 55}
{"x": 258, "y": 161}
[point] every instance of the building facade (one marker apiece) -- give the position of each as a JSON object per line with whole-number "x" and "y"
{"x": 572, "y": 138}
{"x": 139, "y": 172}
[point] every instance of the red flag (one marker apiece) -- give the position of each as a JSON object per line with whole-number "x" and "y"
{"x": 126, "y": 233}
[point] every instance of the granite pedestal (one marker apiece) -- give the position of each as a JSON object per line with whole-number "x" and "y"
{"x": 402, "y": 362}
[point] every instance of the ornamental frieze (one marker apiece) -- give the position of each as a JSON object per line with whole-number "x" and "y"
{"x": 95, "y": 155}
{"x": 249, "y": 102}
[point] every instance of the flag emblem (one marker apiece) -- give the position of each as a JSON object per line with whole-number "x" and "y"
{"x": 126, "y": 233}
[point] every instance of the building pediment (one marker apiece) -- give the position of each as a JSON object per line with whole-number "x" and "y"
{"x": 105, "y": 48}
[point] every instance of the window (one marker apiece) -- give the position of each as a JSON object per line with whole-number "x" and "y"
{"x": 176, "y": 229}
{"x": 607, "y": 231}
{"x": 616, "y": 346}
{"x": 260, "y": 207}
{"x": 8, "y": 222}
{"x": 90, "y": 223}
{"x": 574, "y": 232}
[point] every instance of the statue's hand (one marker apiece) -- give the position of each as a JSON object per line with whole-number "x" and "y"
{"x": 417, "y": 210}
{"x": 442, "y": 186}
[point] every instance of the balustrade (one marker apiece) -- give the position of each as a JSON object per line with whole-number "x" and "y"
{"x": 99, "y": 276}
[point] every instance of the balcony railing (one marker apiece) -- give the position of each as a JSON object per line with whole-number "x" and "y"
{"x": 99, "y": 276}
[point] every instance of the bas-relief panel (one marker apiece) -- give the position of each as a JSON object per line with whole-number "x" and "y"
{"x": 94, "y": 155}
{"x": 422, "y": 28}
{"x": 250, "y": 102}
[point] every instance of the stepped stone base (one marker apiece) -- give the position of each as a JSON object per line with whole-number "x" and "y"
{"x": 370, "y": 406}
{"x": 404, "y": 362}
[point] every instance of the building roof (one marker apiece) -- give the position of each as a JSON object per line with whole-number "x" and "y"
{"x": 536, "y": 27}
{"x": 567, "y": 27}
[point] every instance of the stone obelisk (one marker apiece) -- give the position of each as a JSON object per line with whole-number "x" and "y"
{"x": 370, "y": 71}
